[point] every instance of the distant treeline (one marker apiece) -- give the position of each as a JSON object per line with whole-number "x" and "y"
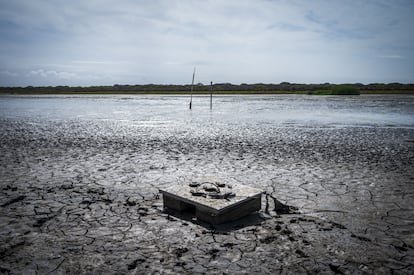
{"x": 284, "y": 87}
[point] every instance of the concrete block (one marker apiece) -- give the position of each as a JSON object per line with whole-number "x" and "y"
{"x": 209, "y": 207}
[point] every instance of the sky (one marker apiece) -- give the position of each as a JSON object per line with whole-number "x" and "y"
{"x": 107, "y": 42}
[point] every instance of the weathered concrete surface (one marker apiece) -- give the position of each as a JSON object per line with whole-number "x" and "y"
{"x": 182, "y": 192}
{"x": 82, "y": 197}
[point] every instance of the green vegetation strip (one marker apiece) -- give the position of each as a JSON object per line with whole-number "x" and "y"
{"x": 337, "y": 90}
{"x": 222, "y": 88}
{"x": 320, "y": 92}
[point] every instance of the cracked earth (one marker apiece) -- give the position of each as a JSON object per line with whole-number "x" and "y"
{"x": 80, "y": 196}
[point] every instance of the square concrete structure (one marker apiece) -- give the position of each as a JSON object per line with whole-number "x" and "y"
{"x": 244, "y": 201}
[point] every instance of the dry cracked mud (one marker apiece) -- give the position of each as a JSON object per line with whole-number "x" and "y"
{"x": 83, "y": 197}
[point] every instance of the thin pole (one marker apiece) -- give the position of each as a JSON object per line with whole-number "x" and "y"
{"x": 211, "y": 95}
{"x": 192, "y": 84}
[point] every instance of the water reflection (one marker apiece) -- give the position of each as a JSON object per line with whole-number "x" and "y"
{"x": 277, "y": 110}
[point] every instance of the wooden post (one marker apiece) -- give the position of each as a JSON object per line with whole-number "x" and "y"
{"x": 192, "y": 84}
{"x": 211, "y": 95}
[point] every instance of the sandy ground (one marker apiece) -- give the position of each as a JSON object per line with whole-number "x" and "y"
{"x": 83, "y": 197}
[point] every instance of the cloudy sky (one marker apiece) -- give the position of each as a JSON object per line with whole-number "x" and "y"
{"x": 106, "y": 42}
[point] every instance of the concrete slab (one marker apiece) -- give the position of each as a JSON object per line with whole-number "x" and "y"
{"x": 213, "y": 201}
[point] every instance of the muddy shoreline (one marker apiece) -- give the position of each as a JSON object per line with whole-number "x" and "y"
{"x": 81, "y": 196}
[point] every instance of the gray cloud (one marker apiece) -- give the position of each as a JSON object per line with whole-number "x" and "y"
{"x": 134, "y": 42}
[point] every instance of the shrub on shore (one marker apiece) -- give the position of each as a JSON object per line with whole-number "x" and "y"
{"x": 338, "y": 90}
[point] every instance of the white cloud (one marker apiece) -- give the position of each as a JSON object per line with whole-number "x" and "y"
{"x": 51, "y": 74}
{"x": 99, "y": 62}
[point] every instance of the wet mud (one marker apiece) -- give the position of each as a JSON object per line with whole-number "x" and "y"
{"x": 79, "y": 196}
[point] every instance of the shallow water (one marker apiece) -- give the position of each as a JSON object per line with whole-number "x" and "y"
{"x": 274, "y": 110}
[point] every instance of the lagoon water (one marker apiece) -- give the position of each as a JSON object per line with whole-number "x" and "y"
{"x": 269, "y": 110}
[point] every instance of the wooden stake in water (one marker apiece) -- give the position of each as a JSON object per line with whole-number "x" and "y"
{"x": 192, "y": 84}
{"x": 211, "y": 95}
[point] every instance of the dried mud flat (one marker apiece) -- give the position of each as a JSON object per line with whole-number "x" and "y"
{"x": 82, "y": 197}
